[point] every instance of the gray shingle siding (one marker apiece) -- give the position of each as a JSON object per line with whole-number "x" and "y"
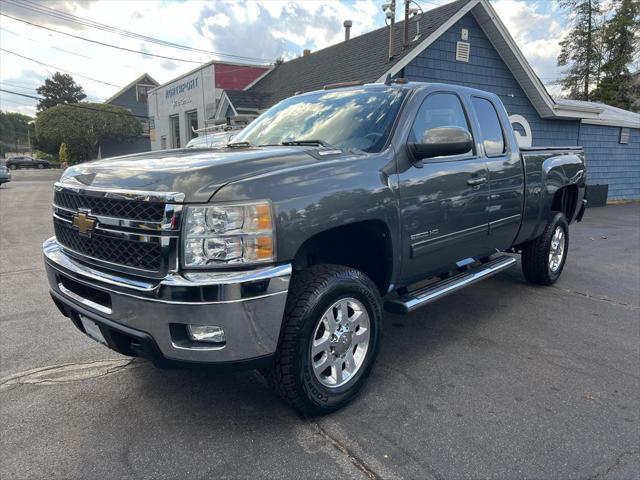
{"x": 612, "y": 163}
{"x": 486, "y": 71}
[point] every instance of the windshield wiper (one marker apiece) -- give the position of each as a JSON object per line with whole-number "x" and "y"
{"x": 322, "y": 143}
{"x": 238, "y": 145}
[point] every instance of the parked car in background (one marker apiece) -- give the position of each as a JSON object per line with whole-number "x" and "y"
{"x": 281, "y": 250}
{"x": 5, "y": 175}
{"x": 14, "y": 163}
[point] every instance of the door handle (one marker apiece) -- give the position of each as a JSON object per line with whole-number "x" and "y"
{"x": 476, "y": 181}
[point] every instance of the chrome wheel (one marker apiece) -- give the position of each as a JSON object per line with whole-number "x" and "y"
{"x": 340, "y": 342}
{"x": 556, "y": 251}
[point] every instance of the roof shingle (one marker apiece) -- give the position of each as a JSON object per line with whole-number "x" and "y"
{"x": 360, "y": 58}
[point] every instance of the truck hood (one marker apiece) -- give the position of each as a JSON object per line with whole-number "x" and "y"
{"x": 197, "y": 174}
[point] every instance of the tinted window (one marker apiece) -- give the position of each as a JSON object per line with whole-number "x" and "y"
{"x": 489, "y": 126}
{"x": 439, "y": 110}
{"x": 353, "y": 118}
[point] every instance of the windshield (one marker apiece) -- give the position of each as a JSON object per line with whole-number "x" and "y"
{"x": 350, "y": 119}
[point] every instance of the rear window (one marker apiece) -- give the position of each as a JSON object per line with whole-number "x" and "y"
{"x": 490, "y": 128}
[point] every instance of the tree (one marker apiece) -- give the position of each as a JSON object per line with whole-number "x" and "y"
{"x": 83, "y": 127}
{"x": 620, "y": 41}
{"x": 60, "y": 88}
{"x": 581, "y": 49}
{"x": 15, "y": 131}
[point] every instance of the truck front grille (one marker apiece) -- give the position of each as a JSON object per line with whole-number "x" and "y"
{"x": 128, "y": 253}
{"x": 110, "y": 207}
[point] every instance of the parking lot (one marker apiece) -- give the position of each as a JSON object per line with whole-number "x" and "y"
{"x": 503, "y": 380}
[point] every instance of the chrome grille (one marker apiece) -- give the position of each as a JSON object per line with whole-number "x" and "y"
{"x": 142, "y": 255}
{"x": 110, "y": 207}
{"x": 134, "y": 232}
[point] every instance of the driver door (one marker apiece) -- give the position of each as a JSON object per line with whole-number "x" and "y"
{"x": 443, "y": 203}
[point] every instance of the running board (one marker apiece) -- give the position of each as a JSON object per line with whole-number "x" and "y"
{"x": 417, "y": 298}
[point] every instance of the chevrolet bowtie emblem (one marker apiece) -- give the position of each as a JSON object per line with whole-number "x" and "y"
{"x": 84, "y": 223}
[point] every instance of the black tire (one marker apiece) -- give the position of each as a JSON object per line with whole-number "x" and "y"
{"x": 535, "y": 253}
{"x": 40, "y": 166}
{"x": 311, "y": 293}
{"x": 13, "y": 167}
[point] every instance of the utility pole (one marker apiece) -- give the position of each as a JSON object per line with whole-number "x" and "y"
{"x": 391, "y": 15}
{"x": 405, "y": 36}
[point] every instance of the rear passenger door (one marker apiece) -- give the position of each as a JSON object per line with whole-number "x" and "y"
{"x": 506, "y": 174}
{"x": 443, "y": 202}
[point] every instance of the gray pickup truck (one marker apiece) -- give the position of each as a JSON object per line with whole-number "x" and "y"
{"x": 281, "y": 251}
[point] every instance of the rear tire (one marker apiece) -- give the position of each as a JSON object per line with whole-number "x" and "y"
{"x": 13, "y": 167}
{"x": 543, "y": 258}
{"x": 335, "y": 311}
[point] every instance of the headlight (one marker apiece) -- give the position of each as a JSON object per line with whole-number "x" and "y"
{"x": 228, "y": 234}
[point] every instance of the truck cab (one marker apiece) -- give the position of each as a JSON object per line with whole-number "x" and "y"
{"x": 283, "y": 250}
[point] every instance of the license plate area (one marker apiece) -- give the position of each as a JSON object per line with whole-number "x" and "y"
{"x": 92, "y": 330}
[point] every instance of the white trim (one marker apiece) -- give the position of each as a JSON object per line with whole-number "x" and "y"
{"x": 611, "y": 123}
{"x": 260, "y": 77}
{"x": 124, "y": 89}
{"x": 427, "y": 41}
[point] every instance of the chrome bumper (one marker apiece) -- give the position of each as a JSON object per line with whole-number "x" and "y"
{"x": 248, "y": 305}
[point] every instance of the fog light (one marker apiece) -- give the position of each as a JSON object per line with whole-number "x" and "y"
{"x": 206, "y": 333}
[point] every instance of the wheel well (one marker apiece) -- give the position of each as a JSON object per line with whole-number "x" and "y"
{"x": 365, "y": 246}
{"x": 565, "y": 200}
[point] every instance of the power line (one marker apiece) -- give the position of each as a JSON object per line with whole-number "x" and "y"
{"x": 75, "y": 105}
{"x": 50, "y": 46}
{"x": 58, "y": 68}
{"x": 27, "y": 4}
{"x": 101, "y": 43}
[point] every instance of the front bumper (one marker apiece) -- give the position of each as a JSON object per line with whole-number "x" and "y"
{"x": 149, "y": 317}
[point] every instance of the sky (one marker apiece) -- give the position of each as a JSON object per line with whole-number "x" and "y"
{"x": 251, "y": 31}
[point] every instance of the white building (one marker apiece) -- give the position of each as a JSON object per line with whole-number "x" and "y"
{"x": 190, "y": 101}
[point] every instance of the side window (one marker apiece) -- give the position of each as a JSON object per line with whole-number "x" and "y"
{"x": 492, "y": 135}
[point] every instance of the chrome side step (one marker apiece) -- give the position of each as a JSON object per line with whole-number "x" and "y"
{"x": 417, "y": 298}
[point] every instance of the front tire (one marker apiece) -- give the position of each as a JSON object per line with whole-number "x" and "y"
{"x": 543, "y": 258}
{"x": 13, "y": 167}
{"x": 330, "y": 337}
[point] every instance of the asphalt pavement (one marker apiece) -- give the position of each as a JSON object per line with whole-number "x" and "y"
{"x": 503, "y": 380}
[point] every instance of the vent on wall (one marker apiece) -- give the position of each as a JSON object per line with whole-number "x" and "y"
{"x": 624, "y": 135}
{"x": 462, "y": 51}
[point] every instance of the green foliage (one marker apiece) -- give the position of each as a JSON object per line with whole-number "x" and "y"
{"x": 14, "y": 130}
{"x": 621, "y": 41}
{"x": 63, "y": 153}
{"x": 46, "y": 156}
{"x": 60, "y": 88}
{"x": 581, "y": 50}
{"x": 83, "y": 127}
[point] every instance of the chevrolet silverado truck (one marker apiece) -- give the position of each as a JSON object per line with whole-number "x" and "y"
{"x": 281, "y": 251}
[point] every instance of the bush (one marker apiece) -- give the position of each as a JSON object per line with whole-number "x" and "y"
{"x": 47, "y": 156}
{"x": 63, "y": 154}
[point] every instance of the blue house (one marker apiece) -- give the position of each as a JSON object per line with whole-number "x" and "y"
{"x": 133, "y": 97}
{"x": 465, "y": 43}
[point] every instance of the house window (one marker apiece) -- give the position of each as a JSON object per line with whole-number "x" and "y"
{"x": 624, "y": 135}
{"x": 145, "y": 126}
{"x": 174, "y": 123}
{"x": 163, "y": 142}
{"x": 142, "y": 92}
{"x": 192, "y": 123}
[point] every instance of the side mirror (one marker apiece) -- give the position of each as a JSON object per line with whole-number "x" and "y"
{"x": 442, "y": 141}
